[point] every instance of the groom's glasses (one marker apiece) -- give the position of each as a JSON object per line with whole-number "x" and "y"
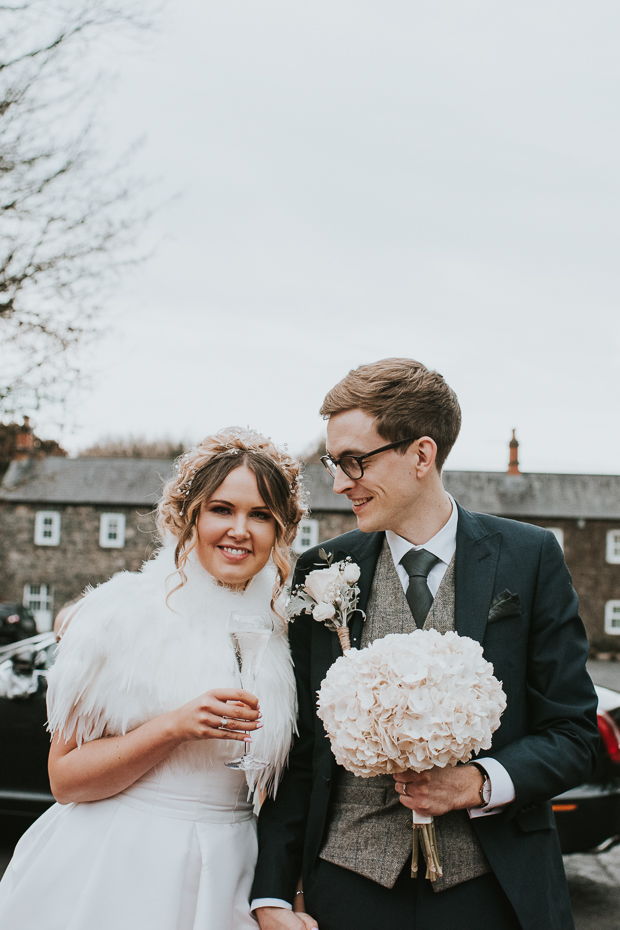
{"x": 352, "y": 464}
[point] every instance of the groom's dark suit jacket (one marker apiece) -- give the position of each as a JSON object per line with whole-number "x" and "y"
{"x": 514, "y": 595}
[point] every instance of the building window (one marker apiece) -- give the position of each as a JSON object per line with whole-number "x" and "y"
{"x": 307, "y": 535}
{"x": 39, "y": 598}
{"x": 613, "y": 547}
{"x": 47, "y": 528}
{"x": 612, "y": 618}
{"x": 112, "y": 530}
{"x": 559, "y": 535}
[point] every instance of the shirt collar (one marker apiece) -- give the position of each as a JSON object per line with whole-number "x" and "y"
{"x": 443, "y": 543}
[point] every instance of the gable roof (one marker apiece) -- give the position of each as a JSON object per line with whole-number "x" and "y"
{"x": 132, "y": 482}
{"x": 536, "y": 494}
{"x": 593, "y": 497}
{"x": 138, "y": 482}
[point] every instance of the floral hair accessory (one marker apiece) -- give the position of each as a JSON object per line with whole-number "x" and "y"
{"x": 330, "y": 594}
{"x": 235, "y": 440}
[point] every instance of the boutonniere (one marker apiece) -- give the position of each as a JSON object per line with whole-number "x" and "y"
{"x": 330, "y": 594}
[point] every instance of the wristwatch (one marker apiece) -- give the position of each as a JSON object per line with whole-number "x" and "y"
{"x": 485, "y": 787}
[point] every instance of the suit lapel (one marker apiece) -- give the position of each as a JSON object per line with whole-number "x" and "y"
{"x": 476, "y": 563}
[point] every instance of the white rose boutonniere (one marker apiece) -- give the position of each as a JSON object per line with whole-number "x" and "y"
{"x": 330, "y": 594}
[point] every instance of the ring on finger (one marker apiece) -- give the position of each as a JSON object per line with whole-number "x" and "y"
{"x": 404, "y": 787}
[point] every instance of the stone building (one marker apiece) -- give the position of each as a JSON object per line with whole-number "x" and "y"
{"x": 67, "y": 523}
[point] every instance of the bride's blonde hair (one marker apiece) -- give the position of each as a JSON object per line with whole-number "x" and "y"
{"x": 199, "y": 472}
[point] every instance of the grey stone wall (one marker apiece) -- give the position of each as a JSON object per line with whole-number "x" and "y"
{"x": 79, "y": 560}
{"x": 596, "y": 580}
{"x": 334, "y": 524}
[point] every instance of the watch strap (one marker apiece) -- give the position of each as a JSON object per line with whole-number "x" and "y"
{"x": 485, "y": 787}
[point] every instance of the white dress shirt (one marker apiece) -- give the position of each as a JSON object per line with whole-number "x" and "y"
{"x": 443, "y": 545}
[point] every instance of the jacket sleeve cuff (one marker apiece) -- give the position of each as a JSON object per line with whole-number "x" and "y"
{"x": 269, "y": 902}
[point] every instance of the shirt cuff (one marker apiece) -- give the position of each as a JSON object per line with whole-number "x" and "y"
{"x": 502, "y": 789}
{"x": 269, "y": 902}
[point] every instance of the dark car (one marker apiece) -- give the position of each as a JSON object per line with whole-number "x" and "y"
{"x": 588, "y": 817}
{"x": 16, "y": 622}
{"x": 24, "y": 741}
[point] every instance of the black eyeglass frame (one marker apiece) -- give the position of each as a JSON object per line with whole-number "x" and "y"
{"x": 328, "y": 461}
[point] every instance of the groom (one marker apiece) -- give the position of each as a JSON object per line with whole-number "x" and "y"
{"x": 426, "y": 562}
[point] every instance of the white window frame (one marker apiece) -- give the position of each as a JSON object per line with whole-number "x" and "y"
{"x": 44, "y": 597}
{"x": 612, "y": 553}
{"x": 307, "y": 536}
{"x": 105, "y": 529}
{"x": 558, "y": 532}
{"x": 47, "y": 528}
{"x": 612, "y": 613}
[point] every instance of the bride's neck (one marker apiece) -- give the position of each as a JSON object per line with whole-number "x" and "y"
{"x": 232, "y": 587}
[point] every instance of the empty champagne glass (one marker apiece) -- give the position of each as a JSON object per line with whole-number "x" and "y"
{"x": 249, "y": 631}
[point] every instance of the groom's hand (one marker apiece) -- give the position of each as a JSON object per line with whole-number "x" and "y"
{"x": 440, "y": 790}
{"x": 280, "y": 918}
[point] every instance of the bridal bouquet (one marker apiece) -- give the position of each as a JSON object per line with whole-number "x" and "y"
{"x": 411, "y": 701}
{"x": 330, "y": 594}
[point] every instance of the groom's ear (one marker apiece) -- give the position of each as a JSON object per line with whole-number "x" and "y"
{"x": 425, "y": 450}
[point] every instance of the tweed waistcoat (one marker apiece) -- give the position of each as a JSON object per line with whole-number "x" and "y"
{"x": 369, "y": 831}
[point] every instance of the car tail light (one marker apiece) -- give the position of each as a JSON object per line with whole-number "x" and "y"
{"x": 610, "y": 734}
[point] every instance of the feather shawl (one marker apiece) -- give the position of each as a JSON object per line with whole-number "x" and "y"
{"x": 129, "y": 656}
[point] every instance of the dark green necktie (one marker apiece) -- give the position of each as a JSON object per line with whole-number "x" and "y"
{"x": 418, "y": 563}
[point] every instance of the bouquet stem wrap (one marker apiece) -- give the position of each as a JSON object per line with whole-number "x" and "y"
{"x": 424, "y": 834}
{"x": 344, "y": 637}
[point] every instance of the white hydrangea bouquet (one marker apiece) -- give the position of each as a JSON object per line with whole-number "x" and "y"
{"x": 330, "y": 594}
{"x": 411, "y": 701}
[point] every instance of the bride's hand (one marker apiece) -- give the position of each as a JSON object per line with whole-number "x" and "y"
{"x": 224, "y": 713}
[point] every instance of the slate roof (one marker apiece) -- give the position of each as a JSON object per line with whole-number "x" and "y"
{"x": 591, "y": 497}
{"x": 137, "y": 482}
{"x": 529, "y": 495}
{"x": 133, "y": 482}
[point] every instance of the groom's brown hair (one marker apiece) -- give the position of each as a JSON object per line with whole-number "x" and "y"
{"x": 405, "y": 399}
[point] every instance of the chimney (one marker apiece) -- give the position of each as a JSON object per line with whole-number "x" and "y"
{"x": 513, "y": 464}
{"x": 24, "y": 442}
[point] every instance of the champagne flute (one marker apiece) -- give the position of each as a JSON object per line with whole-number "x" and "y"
{"x": 249, "y": 631}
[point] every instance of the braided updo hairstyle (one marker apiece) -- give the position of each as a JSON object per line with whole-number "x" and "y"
{"x": 200, "y": 471}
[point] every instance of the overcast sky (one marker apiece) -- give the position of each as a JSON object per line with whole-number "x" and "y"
{"x": 359, "y": 180}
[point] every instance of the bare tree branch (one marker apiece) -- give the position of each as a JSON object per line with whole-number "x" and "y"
{"x": 67, "y": 225}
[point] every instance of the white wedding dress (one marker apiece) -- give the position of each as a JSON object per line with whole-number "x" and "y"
{"x": 176, "y": 850}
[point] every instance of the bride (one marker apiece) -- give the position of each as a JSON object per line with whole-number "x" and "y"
{"x": 152, "y": 831}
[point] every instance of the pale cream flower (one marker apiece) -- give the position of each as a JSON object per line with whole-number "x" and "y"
{"x": 318, "y": 581}
{"x": 324, "y": 611}
{"x": 351, "y": 573}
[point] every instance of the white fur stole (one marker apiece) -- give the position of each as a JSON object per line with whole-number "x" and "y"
{"x": 127, "y": 657}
